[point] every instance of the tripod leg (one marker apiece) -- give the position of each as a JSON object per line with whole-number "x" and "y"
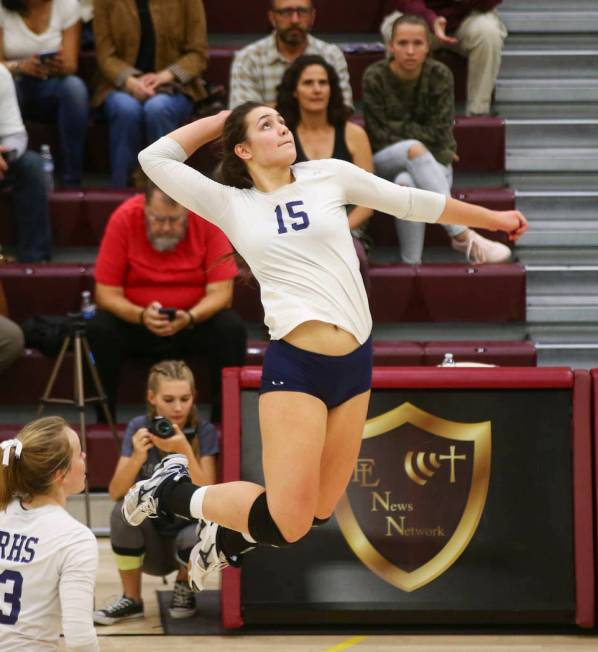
{"x": 80, "y": 402}
{"x": 100, "y": 392}
{"x": 53, "y": 375}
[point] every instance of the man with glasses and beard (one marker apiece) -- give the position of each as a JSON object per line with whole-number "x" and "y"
{"x": 164, "y": 287}
{"x": 258, "y": 68}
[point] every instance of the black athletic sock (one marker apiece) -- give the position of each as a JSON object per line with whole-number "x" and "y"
{"x": 175, "y": 496}
{"x": 233, "y": 545}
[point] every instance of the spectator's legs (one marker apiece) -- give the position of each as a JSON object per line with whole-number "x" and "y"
{"x": 411, "y": 235}
{"x": 107, "y": 337}
{"x": 11, "y": 342}
{"x": 128, "y": 546}
{"x": 73, "y": 116}
{"x": 112, "y": 341}
{"x": 429, "y": 174}
{"x": 125, "y": 118}
{"x": 481, "y": 36}
{"x": 65, "y": 100}
{"x": 408, "y": 162}
{"x": 30, "y": 202}
{"x": 223, "y": 338}
{"x": 164, "y": 113}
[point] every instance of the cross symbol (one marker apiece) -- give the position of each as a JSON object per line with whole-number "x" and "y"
{"x": 452, "y": 457}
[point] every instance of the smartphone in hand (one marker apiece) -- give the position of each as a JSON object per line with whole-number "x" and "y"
{"x": 169, "y": 312}
{"x": 45, "y": 55}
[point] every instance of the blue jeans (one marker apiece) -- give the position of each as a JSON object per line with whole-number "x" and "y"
{"x": 133, "y": 123}
{"x": 66, "y": 101}
{"x": 30, "y": 206}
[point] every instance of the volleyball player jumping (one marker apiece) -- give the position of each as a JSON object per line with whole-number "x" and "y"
{"x": 289, "y": 224}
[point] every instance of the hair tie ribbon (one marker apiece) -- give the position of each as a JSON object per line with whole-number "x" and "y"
{"x": 7, "y": 445}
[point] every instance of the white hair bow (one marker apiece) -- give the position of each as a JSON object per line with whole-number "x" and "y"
{"x": 7, "y": 445}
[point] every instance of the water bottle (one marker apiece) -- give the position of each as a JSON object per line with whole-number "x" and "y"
{"x": 88, "y": 309}
{"x": 48, "y": 165}
{"x": 448, "y": 360}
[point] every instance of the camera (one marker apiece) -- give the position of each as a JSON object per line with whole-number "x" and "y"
{"x": 161, "y": 427}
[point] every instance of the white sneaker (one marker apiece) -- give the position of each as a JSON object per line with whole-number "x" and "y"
{"x": 479, "y": 250}
{"x": 141, "y": 501}
{"x": 205, "y": 558}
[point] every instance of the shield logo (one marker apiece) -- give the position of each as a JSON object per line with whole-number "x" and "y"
{"x": 417, "y": 494}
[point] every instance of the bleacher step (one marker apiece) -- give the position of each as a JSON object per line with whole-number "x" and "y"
{"x": 569, "y": 233}
{"x": 557, "y": 255}
{"x": 578, "y": 308}
{"x": 577, "y": 356}
{"x": 552, "y": 133}
{"x": 549, "y": 64}
{"x": 567, "y": 181}
{"x": 551, "y": 159}
{"x": 544, "y": 90}
{"x": 552, "y": 109}
{"x": 547, "y": 5}
{"x": 568, "y": 282}
{"x": 542, "y": 20}
{"x": 560, "y": 205}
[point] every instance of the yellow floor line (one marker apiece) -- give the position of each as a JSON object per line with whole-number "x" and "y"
{"x": 350, "y": 642}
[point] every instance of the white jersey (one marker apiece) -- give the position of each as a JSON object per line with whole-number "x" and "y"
{"x": 296, "y": 239}
{"x": 48, "y": 564}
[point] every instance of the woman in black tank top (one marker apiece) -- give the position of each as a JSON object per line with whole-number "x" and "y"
{"x": 311, "y": 101}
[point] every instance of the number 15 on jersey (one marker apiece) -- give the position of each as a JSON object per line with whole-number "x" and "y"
{"x": 299, "y": 219}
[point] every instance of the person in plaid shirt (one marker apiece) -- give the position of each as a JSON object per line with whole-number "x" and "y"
{"x": 258, "y": 68}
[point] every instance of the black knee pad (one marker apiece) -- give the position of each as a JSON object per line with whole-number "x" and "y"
{"x": 320, "y": 521}
{"x": 262, "y": 526}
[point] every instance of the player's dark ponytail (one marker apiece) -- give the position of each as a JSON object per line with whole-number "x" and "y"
{"x": 232, "y": 170}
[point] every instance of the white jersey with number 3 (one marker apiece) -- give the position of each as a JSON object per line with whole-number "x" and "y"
{"x": 48, "y": 563}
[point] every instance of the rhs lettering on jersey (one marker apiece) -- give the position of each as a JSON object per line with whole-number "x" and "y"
{"x": 17, "y": 547}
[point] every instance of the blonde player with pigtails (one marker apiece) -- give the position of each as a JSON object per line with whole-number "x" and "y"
{"x": 48, "y": 560}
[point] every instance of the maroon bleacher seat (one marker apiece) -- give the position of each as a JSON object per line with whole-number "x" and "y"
{"x": 391, "y": 291}
{"x": 508, "y": 353}
{"x": 482, "y": 293}
{"x": 392, "y": 353}
{"x": 102, "y": 455}
{"x": 44, "y": 289}
{"x": 480, "y": 143}
{"x": 99, "y": 204}
{"x": 446, "y": 293}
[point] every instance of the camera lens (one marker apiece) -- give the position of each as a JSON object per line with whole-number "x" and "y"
{"x": 161, "y": 427}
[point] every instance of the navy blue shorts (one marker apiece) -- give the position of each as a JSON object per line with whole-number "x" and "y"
{"x": 333, "y": 379}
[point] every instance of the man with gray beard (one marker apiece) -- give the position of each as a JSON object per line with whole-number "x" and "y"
{"x": 164, "y": 287}
{"x": 258, "y": 68}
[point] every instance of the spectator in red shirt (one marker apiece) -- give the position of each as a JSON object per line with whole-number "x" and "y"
{"x": 155, "y": 255}
{"x": 471, "y": 27}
